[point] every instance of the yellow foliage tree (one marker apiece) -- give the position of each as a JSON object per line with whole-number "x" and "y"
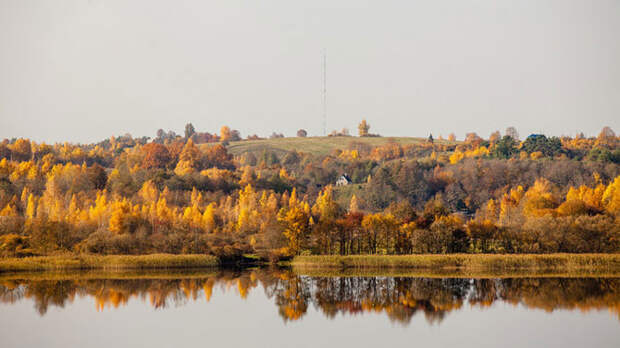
{"x": 284, "y": 175}
{"x": 73, "y": 213}
{"x": 592, "y": 198}
{"x": 9, "y": 211}
{"x": 193, "y": 217}
{"x": 120, "y": 214}
{"x": 248, "y": 176}
{"x": 196, "y": 197}
{"x": 456, "y": 157}
{"x": 184, "y": 168}
{"x": 536, "y": 155}
{"x": 354, "y": 204}
{"x": 163, "y": 212}
{"x": 188, "y": 159}
{"x": 539, "y": 200}
{"x": 148, "y": 192}
{"x": 31, "y": 207}
{"x": 225, "y": 133}
{"x": 373, "y": 224}
{"x": 611, "y": 197}
{"x": 509, "y": 206}
{"x": 208, "y": 218}
{"x": 296, "y": 218}
{"x": 98, "y": 212}
{"x": 247, "y": 214}
{"x": 325, "y": 207}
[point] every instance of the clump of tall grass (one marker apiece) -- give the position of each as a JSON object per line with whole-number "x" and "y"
{"x": 108, "y": 262}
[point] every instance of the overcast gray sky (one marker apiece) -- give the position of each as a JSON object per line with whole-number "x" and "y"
{"x": 82, "y": 70}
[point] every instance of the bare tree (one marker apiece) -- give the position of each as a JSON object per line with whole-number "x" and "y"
{"x": 512, "y": 132}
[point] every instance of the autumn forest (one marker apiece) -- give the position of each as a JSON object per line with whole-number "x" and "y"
{"x": 192, "y": 194}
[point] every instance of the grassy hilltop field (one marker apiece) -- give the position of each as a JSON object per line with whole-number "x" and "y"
{"x": 317, "y": 145}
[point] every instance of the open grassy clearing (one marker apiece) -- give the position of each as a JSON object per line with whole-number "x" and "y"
{"x": 314, "y": 145}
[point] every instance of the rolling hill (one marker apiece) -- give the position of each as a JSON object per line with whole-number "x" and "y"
{"x": 314, "y": 145}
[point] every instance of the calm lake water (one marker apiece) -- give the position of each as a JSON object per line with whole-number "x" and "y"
{"x": 279, "y": 308}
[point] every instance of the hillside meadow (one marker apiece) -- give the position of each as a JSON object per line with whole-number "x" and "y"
{"x": 316, "y": 145}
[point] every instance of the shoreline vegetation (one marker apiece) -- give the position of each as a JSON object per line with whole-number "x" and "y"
{"x": 108, "y": 262}
{"x": 114, "y": 274}
{"x": 201, "y": 273}
{"x": 467, "y": 264}
{"x": 491, "y": 265}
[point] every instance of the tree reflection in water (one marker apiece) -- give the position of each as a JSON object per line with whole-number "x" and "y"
{"x": 400, "y": 298}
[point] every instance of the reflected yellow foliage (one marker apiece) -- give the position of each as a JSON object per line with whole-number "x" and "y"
{"x": 400, "y": 298}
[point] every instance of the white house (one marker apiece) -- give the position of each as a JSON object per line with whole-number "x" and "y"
{"x": 343, "y": 180}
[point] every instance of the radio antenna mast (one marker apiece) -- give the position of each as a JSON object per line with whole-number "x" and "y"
{"x": 324, "y": 93}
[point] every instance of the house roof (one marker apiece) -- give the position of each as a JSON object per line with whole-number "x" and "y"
{"x": 345, "y": 176}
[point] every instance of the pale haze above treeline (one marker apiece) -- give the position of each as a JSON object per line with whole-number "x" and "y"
{"x": 82, "y": 70}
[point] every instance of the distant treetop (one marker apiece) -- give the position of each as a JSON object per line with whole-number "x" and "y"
{"x": 363, "y": 128}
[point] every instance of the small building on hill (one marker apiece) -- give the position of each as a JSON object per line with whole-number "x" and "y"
{"x": 343, "y": 180}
